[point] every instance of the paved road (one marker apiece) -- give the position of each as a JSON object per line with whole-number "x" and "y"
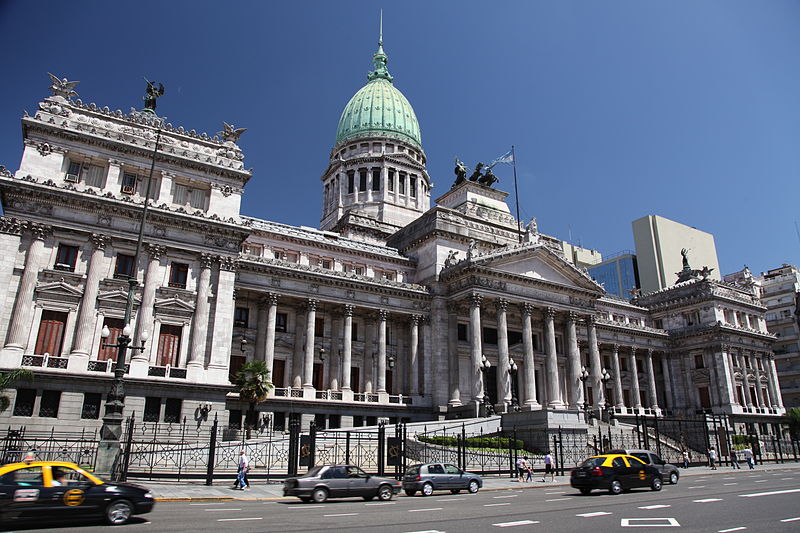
{"x": 723, "y": 503}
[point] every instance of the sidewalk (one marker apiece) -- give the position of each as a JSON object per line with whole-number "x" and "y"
{"x": 259, "y": 490}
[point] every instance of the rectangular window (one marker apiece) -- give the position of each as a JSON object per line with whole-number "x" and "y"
{"x": 115, "y": 326}
{"x": 362, "y": 179}
{"x": 74, "y": 171}
{"x": 326, "y": 264}
{"x": 280, "y": 322}
{"x": 178, "y": 274}
{"x": 354, "y": 329}
{"x": 66, "y": 257}
{"x": 241, "y": 317}
{"x": 462, "y": 332}
{"x": 235, "y": 419}
{"x": 278, "y": 421}
{"x": 401, "y": 183}
{"x": 172, "y": 410}
{"x": 698, "y": 361}
{"x": 94, "y": 176}
{"x": 91, "y": 406}
{"x": 490, "y": 336}
{"x": 705, "y": 397}
{"x": 351, "y": 179}
{"x": 123, "y": 269}
{"x": 197, "y": 198}
{"x": 390, "y": 182}
{"x": 412, "y": 185}
{"x": 128, "y": 183}
{"x": 152, "y": 409}
{"x": 658, "y": 323}
{"x": 278, "y": 372}
{"x": 169, "y": 345}
{"x": 236, "y": 364}
{"x": 376, "y": 179}
{"x": 514, "y": 337}
{"x": 355, "y": 381}
{"x": 623, "y": 364}
{"x": 319, "y": 327}
{"x": 51, "y": 333}
{"x": 316, "y": 380}
{"x": 23, "y": 405}
{"x": 50, "y": 402}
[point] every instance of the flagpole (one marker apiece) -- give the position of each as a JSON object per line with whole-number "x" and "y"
{"x": 516, "y": 193}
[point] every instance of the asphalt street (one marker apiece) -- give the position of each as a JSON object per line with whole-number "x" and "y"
{"x": 725, "y": 502}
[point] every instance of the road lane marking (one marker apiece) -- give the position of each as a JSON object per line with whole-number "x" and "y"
{"x": 660, "y": 506}
{"x": 218, "y": 510}
{"x": 451, "y": 499}
{"x": 730, "y": 477}
{"x": 341, "y": 514}
{"x": 517, "y": 523}
{"x": 426, "y": 531}
{"x": 376, "y": 503}
{"x": 772, "y": 493}
{"x": 697, "y": 487}
{"x": 501, "y": 497}
{"x": 556, "y": 492}
{"x": 421, "y": 510}
{"x": 495, "y": 504}
{"x": 557, "y": 499}
{"x": 727, "y": 484}
{"x": 708, "y": 500}
{"x": 590, "y": 515}
{"x": 301, "y": 507}
{"x": 761, "y": 480}
{"x": 648, "y": 522}
{"x": 220, "y": 503}
{"x": 239, "y": 519}
{"x": 786, "y": 478}
{"x": 791, "y": 519}
{"x": 731, "y": 529}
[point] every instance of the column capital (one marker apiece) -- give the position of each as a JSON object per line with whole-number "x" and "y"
{"x": 633, "y": 351}
{"x": 415, "y": 319}
{"x": 348, "y": 310}
{"x": 227, "y": 263}
{"x": 615, "y": 348}
{"x": 267, "y": 300}
{"x": 311, "y": 304}
{"x": 549, "y": 312}
{"x": 475, "y": 299}
{"x": 383, "y": 314}
{"x": 206, "y": 260}
{"x": 99, "y": 240}
{"x": 527, "y": 309}
{"x": 40, "y": 231}
{"x": 591, "y": 320}
{"x": 649, "y": 352}
{"x": 573, "y": 317}
{"x": 155, "y": 251}
{"x": 501, "y": 304}
{"x": 11, "y": 225}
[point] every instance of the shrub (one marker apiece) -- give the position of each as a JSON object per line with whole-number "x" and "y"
{"x": 475, "y": 442}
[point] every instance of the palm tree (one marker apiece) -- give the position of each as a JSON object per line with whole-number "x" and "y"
{"x": 6, "y": 379}
{"x": 252, "y": 382}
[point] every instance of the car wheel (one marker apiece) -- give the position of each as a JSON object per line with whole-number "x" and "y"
{"x": 473, "y": 487}
{"x": 319, "y": 495}
{"x": 615, "y": 488}
{"x": 673, "y": 478}
{"x": 656, "y": 483}
{"x": 427, "y": 489}
{"x": 410, "y": 492}
{"x": 586, "y": 492}
{"x": 455, "y": 491}
{"x": 384, "y": 493}
{"x": 118, "y": 512}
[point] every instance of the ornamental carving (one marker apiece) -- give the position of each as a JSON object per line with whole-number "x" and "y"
{"x": 206, "y": 260}
{"x": 11, "y": 226}
{"x": 155, "y": 251}
{"x": 103, "y": 219}
{"x": 527, "y": 309}
{"x": 501, "y": 304}
{"x": 44, "y": 149}
{"x": 475, "y": 300}
{"x": 40, "y": 231}
{"x": 227, "y": 263}
{"x": 100, "y": 241}
{"x": 348, "y": 310}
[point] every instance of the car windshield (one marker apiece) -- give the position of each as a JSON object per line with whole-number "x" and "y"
{"x": 642, "y": 457}
{"x": 634, "y": 460}
{"x": 593, "y": 461}
{"x": 314, "y": 472}
{"x": 412, "y": 470}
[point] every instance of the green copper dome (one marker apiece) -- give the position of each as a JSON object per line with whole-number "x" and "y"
{"x": 378, "y": 109}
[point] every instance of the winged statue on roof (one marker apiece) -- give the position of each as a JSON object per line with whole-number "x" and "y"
{"x": 230, "y": 132}
{"x": 62, "y": 86}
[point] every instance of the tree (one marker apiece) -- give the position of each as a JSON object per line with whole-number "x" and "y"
{"x": 793, "y": 419}
{"x": 252, "y": 382}
{"x": 6, "y": 379}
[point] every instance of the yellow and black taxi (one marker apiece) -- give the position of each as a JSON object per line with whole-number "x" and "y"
{"x": 615, "y": 473}
{"x": 37, "y": 491}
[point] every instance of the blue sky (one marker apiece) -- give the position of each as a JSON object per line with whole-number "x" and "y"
{"x": 618, "y": 109}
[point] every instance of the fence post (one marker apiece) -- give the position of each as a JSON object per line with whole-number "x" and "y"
{"x": 780, "y": 451}
{"x": 347, "y": 448}
{"x": 381, "y": 448}
{"x": 511, "y": 444}
{"x": 127, "y": 458}
{"x": 212, "y": 453}
{"x": 183, "y": 445}
{"x": 463, "y": 447}
{"x": 555, "y": 448}
{"x": 312, "y": 437}
{"x": 294, "y": 448}
{"x": 561, "y": 450}
{"x": 658, "y": 436}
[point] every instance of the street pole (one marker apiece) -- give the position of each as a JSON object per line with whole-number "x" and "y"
{"x": 111, "y": 431}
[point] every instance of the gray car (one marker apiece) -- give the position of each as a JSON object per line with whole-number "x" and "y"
{"x": 339, "y": 481}
{"x": 426, "y": 478}
{"x": 668, "y": 471}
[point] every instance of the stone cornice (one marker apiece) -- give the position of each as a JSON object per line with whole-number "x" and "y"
{"x": 694, "y": 292}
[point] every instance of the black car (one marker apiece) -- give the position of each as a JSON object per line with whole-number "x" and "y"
{"x": 615, "y": 473}
{"x": 428, "y": 477}
{"x": 339, "y": 481}
{"x": 40, "y": 491}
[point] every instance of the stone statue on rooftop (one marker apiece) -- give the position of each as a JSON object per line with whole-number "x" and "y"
{"x": 230, "y": 132}
{"x": 62, "y": 87}
{"x": 477, "y": 174}
{"x": 488, "y": 178}
{"x": 685, "y": 255}
{"x": 451, "y": 259}
{"x": 461, "y": 172}
{"x": 151, "y": 94}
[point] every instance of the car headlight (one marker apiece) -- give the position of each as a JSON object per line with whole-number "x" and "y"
{"x": 148, "y": 494}
{"x": 110, "y": 488}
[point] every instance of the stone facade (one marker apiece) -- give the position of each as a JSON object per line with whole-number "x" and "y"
{"x": 384, "y": 318}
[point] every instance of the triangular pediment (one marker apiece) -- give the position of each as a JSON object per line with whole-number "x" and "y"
{"x": 116, "y": 296}
{"x": 539, "y": 263}
{"x": 173, "y": 304}
{"x": 59, "y": 288}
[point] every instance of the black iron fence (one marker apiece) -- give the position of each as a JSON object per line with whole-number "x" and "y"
{"x": 19, "y": 444}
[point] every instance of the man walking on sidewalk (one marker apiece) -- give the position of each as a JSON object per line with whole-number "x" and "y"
{"x": 241, "y": 474}
{"x": 548, "y": 467}
{"x": 735, "y": 460}
{"x": 748, "y": 456}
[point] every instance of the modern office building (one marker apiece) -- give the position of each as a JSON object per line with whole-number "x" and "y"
{"x": 617, "y": 274}
{"x": 390, "y": 311}
{"x": 659, "y": 242}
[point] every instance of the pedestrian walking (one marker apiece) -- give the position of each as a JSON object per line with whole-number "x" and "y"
{"x": 748, "y": 456}
{"x": 241, "y": 482}
{"x": 685, "y": 458}
{"x": 521, "y": 470}
{"x": 712, "y": 458}
{"x": 735, "y": 459}
{"x": 548, "y": 467}
{"x": 529, "y": 470}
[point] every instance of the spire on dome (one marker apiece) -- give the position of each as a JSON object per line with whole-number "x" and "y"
{"x": 380, "y": 59}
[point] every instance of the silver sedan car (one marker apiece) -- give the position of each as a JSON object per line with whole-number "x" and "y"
{"x": 339, "y": 481}
{"x": 426, "y": 478}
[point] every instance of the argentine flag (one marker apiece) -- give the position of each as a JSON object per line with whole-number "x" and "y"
{"x": 508, "y": 157}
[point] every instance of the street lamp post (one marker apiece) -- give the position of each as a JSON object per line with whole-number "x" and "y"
{"x": 604, "y": 377}
{"x": 512, "y": 372}
{"x": 584, "y": 375}
{"x": 488, "y": 410}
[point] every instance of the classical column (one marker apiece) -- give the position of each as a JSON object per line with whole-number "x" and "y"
{"x": 197, "y": 348}
{"x": 87, "y": 316}
{"x": 651, "y": 379}
{"x": 271, "y": 303}
{"x": 144, "y": 322}
{"x": 727, "y": 367}
{"x": 381, "y": 379}
{"x": 594, "y": 356}
{"x": 334, "y": 369}
{"x": 503, "y": 377}
{"x": 748, "y": 399}
{"x": 637, "y": 396}
{"x": 297, "y": 355}
{"x": 476, "y": 349}
{"x": 772, "y": 375}
{"x": 413, "y": 355}
{"x": 551, "y": 361}
{"x": 529, "y": 363}
{"x": 21, "y": 316}
{"x": 308, "y": 354}
{"x": 667, "y": 381}
{"x": 452, "y": 348}
{"x": 573, "y": 362}
{"x": 619, "y": 398}
{"x": 347, "y": 347}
